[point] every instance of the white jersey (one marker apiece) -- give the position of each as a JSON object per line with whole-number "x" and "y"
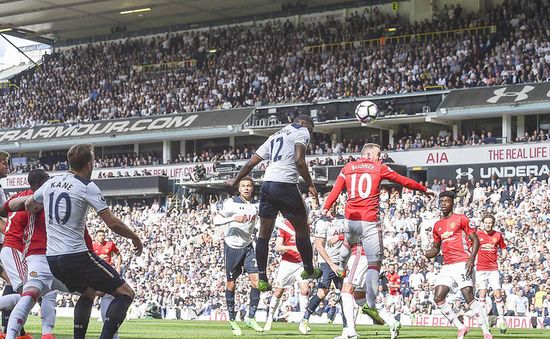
{"x": 279, "y": 150}
{"x": 66, "y": 199}
{"x": 239, "y": 234}
{"x": 326, "y": 229}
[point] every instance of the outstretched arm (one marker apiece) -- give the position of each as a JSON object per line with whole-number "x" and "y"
{"x": 389, "y": 174}
{"x": 13, "y": 205}
{"x": 245, "y": 170}
{"x": 335, "y": 192}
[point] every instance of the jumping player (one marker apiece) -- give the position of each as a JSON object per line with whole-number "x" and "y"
{"x": 487, "y": 275}
{"x": 66, "y": 199}
{"x": 240, "y": 215}
{"x": 289, "y": 271}
{"x": 286, "y": 152}
{"x": 362, "y": 179}
{"x": 449, "y": 236}
{"x": 329, "y": 237}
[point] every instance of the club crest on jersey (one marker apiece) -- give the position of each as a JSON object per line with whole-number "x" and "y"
{"x": 33, "y": 274}
{"x": 446, "y": 235}
{"x": 452, "y": 225}
{"x": 486, "y": 247}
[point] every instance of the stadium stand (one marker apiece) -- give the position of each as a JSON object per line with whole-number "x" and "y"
{"x": 146, "y": 76}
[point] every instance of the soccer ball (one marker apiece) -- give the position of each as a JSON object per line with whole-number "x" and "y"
{"x": 366, "y": 112}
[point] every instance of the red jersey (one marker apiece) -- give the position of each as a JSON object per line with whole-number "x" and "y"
{"x": 362, "y": 180}
{"x": 287, "y": 232}
{"x": 395, "y": 280}
{"x": 489, "y": 243}
{"x": 15, "y": 225}
{"x": 106, "y": 250}
{"x": 452, "y": 233}
{"x": 32, "y": 236}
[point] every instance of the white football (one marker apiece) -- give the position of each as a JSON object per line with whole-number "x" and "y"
{"x": 366, "y": 112}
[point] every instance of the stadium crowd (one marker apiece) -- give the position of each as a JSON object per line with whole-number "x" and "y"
{"x": 321, "y": 144}
{"x": 251, "y": 65}
{"x": 181, "y": 272}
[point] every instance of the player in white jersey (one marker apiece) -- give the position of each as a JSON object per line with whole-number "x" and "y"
{"x": 329, "y": 237}
{"x": 240, "y": 214}
{"x": 286, "y": 152}
{"x": 65, "y": 200}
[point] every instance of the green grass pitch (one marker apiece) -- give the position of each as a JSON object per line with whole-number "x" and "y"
{"x": 166, "y": 329}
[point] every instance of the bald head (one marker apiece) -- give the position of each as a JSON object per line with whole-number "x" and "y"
{"x": 371, "y": 151}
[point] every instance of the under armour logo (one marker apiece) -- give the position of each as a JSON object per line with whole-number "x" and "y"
{"x": 468, "y": 173}
{"x": 501, "y": 92}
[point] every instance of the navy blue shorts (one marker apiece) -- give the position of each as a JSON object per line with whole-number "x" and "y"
{"x": 239, "y": 260}
{"x": 328, "y": 277}
{"x": 79, "y": 271}
{"x": 281, "y": 197}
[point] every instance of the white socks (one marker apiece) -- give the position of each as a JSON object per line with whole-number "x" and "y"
{"x": 47, "y": 310}
{"x": 104, "y": 306}
{"x": 479, "y": 311}
{"x": 448, "y": 313}
{"x": 500, "y": 309}
{"x": 8, "y": 301}
{"x": 273, "y": 308}
{"x": 348, "y": 307}
{"x": 19, "y": 316}
{"x": 371, "y": 286}
{"x": 302, "y": 299}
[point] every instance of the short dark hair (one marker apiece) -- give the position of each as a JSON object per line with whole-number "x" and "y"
{"x": 490, "y": 216}
{"x": 79, "y": 155}
{"x": 99, "y": 231}
{"x": 4, "y": 156}
{"x": 37, "y": 177}
{"x": 304, "y": 117}
{"x": 449, "y": 194}
{"x": 247, "y": 178}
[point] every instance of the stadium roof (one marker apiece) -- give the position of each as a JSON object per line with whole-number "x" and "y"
{"x": 66, "y": 20}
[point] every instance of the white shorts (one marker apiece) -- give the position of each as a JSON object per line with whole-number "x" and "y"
{"x": 394, "y": 300}
{"x": 39, "y": 274}
{"x": 15, "y": 266}
{"x": 288, "y": 273}
{"x": 454, "y": 276}
{"x": 357, "y": 271}
{"x": 486, "y": 279}
{"x": 369, "y": 233}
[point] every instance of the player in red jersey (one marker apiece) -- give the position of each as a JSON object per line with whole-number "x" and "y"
{"x": 394, "y": 294}
{"x": 106, "y": 250}
{"x": 451, "y": 236}
{"x": 21, "y": 239}
{"x": 362, "y": 179}
{"x": 487, "y": 275}
{"x": 289, "y": 270}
